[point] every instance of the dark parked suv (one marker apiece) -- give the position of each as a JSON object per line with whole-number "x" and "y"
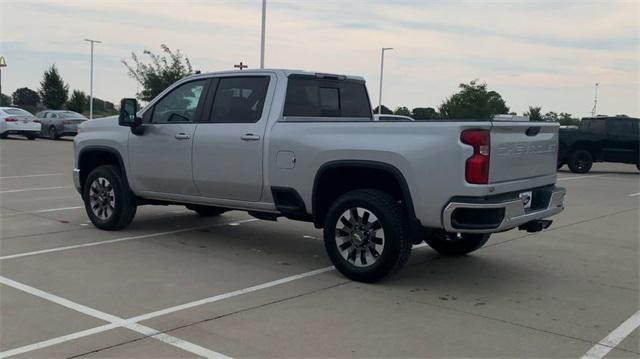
{"x": 599, "y": 139}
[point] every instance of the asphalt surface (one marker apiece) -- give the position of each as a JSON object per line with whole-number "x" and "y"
{"x": 176, "y": 285}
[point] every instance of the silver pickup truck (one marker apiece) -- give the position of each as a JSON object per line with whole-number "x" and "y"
{"x": 300, "y": 145}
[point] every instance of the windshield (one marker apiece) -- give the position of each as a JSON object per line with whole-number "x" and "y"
{"x": 16, "y": 111}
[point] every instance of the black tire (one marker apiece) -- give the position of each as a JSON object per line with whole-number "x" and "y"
{"x": 124, "y": 201}
{"x": 53, "y": 133}
{"x": 580, "y": 161}
{"x": 206, "y": 211}
{"x": 31, "y": 137}
{"x": 559, "y": 165}
{"x": 4, "y": 135}
{"x": 456, "y": 244}
{"x": 395, "y": 245}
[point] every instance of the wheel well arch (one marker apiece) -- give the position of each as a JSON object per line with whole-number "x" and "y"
{"x": 93, "y": 157}
{"x": 589, "y": 147}
{"x": 338, "y": 177}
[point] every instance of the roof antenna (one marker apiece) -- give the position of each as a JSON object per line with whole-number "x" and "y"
{"x": 595, "y": 103}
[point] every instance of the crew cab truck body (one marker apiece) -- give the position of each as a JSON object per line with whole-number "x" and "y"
{"x": 305, "y": 146}
{"x": 600, "y": 139}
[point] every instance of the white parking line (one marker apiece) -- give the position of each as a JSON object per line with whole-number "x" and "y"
{"x": 38, "y": 175}
{"x": 117, "y": 321}
{"x": 578, "y": 177}
{"x": 41, "y": 211}
{"x": 614, "y": 338}
{"x": 634, "y": 194}
{"x": 133, "y": 322}
{"x": 142, "y": 236}
{"x": 34, "y": 189}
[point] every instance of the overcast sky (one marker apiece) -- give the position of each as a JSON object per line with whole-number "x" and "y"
{"x": 544, "y": 53}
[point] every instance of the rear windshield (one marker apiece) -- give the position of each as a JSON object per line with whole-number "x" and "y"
{"x": 71, "y": 115}
{"x": 311, "y": 97}
{"x": 16, "y": 111}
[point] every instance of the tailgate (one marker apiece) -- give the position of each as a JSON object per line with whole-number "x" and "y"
{"x": 522, "y": 150}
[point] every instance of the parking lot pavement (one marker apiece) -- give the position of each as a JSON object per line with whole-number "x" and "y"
{"x": 176, "y": 285}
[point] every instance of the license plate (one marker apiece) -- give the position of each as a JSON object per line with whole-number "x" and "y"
{"x": 526, "y": 198}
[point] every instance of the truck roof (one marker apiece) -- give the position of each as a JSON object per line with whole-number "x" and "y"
{"x": 283, "y": 72}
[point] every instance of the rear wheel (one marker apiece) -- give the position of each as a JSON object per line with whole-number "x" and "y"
{"x": 456, "y": 244}
{"x": 580, "y": 161}
{"x": 206, "y": 211}
{"x": 53, "y": 133}
{"x": 3, "y": 135}
{"x": 366, "y": 235}
{"x": 108, "y": 200}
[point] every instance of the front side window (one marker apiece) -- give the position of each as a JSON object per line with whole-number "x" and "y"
{"x": 239, "y": 99}
{"x": 179, "y": 105}
{"x": 594, "y": 126}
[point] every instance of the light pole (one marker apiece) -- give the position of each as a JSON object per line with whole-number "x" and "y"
{"x": 91, "y": 79}
{"x": 595, "y": 103}
{"x": 264, "y": 21}
{"x": 381, "y": 72}
{"x": 2, "y": 64}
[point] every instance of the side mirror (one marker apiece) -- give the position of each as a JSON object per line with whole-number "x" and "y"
{"x": 128, "y": 113}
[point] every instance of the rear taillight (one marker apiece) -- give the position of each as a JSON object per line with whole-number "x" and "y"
{"x": 67, "y": 122}
{"x": 37, "y": 121}
{"x": 9, "y": 119}
{"x": 477, "y": 166}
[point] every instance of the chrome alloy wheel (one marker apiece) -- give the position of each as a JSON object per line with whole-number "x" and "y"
{"x": 102, "y": 198}
{"x": 359, "y": 237}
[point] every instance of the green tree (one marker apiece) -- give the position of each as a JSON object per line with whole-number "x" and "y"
{"x": 5, "y": 100}
{"x": 53, "y": 91}
{"x": 385, "y": 110}
{"x": 425, "y": 113}
{"x": 78, "y": 101}
{"x": 565, "y": 119}
{"x": 160, "y": 73}
{"x": 25, "y": 98}
{"x": 550, "y": 116}
{"x": 534, "y": 113}
{"x": 473, "y": 101}
{"x": 402, "y": 111}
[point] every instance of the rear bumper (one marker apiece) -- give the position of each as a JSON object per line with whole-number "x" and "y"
{"x": 22, "y": 132}
{"x": 76, "y": 180}
{"x": 501, "y": 212}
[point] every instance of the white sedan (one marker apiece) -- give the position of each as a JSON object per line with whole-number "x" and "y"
{"x": 16, "y": 121}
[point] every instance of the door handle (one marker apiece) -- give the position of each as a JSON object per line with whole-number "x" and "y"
{"x": 249, "y": 137}
{"x": 182, "y": 136}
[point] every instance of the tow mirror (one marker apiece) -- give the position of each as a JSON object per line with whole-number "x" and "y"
{"x": 128, "y": 113}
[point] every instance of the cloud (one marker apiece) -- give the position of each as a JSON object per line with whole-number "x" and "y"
{"x": 547, "y": 53}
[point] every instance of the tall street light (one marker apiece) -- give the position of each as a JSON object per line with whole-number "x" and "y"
{"x": 91, "y": 77}
{"x": 381, "y": 72}
{"x": 264, "y": 20}
{"x": 3, "y": 63}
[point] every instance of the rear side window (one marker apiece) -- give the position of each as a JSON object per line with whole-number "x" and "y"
{"x": 620, "y": 126}
{"x": 239, "y": 99}
{"x": 310, "y": 97}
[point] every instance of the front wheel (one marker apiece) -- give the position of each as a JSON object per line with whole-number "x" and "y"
{"x": 53, "y": 133}
{"x": 580, "y": 161}
{"x": 366, "y": 235}
{"x": 456, "y": 244}
{"x": 108, "y": 200}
